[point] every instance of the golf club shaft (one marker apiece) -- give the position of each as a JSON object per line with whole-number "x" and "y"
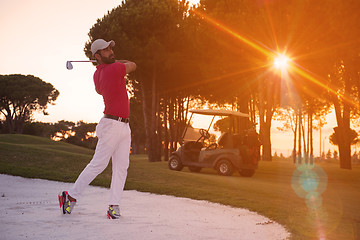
{"x": 84, "y": 61}
{"x": 69, "y": 65}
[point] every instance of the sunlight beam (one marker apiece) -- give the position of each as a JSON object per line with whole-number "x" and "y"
{"x": 265, "y": 50}
{"x": 271, "y": 53}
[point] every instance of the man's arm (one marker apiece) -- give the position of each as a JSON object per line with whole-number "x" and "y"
{"x": 130, "y": 66}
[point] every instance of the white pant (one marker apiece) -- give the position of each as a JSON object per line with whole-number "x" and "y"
{"x": 114, "y": 141}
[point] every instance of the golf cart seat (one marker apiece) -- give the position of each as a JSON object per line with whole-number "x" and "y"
{"x": 225, "y": 140}
{"x": 192, "y": 150}
{"x": 193, "y": 146}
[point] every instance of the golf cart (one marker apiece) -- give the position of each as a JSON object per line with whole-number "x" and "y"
{"x": 237, "y": 148}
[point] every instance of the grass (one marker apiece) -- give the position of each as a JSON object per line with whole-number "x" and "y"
{"x": 269, "y": 192}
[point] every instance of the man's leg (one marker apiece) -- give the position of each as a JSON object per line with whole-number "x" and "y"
{"x": 104, "y": 149}
{"x": 96, "y": 166}
{"x": 120, "y": 164}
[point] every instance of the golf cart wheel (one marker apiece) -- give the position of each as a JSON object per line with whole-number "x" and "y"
{"x": 225, "y": 168}
{"x": 175, "y": 163}
{"x": 247, "y": 172}
{"x": 194, "y": 169}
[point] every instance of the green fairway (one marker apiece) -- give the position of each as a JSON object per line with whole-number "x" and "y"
{"x": 334, "y": 215}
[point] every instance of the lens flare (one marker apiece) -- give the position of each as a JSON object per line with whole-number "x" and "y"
{"x": 314, "y": 200}
{"x": 265, "y": 50}
{"x": 309, "y": 181}
{"x": 281, "y": 62}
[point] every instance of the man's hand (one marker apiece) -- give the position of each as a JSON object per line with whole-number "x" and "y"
{"x": 130, "y": 66}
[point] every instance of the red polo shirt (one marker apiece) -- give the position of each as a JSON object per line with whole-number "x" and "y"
{"x": 110, "y": 83}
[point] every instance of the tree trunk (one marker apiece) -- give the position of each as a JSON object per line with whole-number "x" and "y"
{"x": 166, "y": 130}
{"x": 187, "y": 110}
{"x": 180, "y": 116}
{"x": 266, "y": 141}
{"x": 153, "y": 153}
{"x": 308, "y": 138}
{"x": 243, "y": 105}
{"x": 345, "y": 154}
{"x": 171, "y": 125}
{"x": 252, "y": 109}
{"x": 9, "y": 119}
{"x": 266, "y": 110}
{"x": 20, "y": 122}
{"x": 146, "y": 114}
{"x": 342, "y": 132}
{"x": 176, "y": 121}
{"x": 311, "y": 139}
{"x": 343, "y": 121}
{"x": 299, "y": 157}
{"x": 264, "y": 133}
{"x": 295, "y": 137}
{"x": 159, "y": 128}
{"x": 304, "y": 138}
{"x": 10, "y": 124}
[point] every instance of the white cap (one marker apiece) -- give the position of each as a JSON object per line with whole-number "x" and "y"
{"x": 100, "y": 44}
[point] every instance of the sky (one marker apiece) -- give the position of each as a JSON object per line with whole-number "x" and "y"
{"x": 39, "y": 36}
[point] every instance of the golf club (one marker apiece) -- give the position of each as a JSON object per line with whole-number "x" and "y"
{"x": 69, "y": 65}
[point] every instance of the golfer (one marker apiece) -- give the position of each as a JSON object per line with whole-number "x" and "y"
{"x": 113, "y": 130}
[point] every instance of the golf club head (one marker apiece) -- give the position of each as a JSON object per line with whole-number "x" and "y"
{"x": 69, "y": 65}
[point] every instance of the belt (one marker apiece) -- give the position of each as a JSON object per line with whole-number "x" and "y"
{"x": 120, "y": 119}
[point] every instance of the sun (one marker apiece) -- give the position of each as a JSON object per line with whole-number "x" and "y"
{"x": 281, "y": 62}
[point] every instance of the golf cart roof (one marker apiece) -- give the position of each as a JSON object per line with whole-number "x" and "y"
{"x": 218, "y": 112}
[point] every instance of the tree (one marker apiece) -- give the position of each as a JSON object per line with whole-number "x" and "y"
{"x": 138, "y": 136}
{"x": 39, "y": 129}
{"x": 352, "y": 137}
{"x": 289, "y": 118}
{"x": 336, "y": 155}
{"x": 328, "y": 155}
{"x": 332, "y": 60}
{"x": 62, "y": 130}
{"x": 237, "y": 71}
{"x": 21, "y": 95}
{"x": 151, "y": 33}
{"x": 83, "y": 129}
{"x": 203, "y": 54}
{"x": 82, "y": 135}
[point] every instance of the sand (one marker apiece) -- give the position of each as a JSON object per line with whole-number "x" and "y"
{"x": 29, "y": 209}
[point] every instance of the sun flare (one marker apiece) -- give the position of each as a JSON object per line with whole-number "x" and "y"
{"x": 281, "y": 62}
